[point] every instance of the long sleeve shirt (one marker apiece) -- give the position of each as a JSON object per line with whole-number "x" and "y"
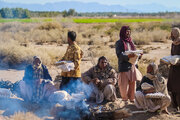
{"x": 107, "y": 76}
{"x": 74, "y": 54}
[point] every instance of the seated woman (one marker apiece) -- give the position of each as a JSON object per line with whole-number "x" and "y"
{"x": 102, "y": 79}
{"x": 36, "y": 85}
{"x": 152, "y": 93}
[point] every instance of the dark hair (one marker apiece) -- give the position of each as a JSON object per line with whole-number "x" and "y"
{"x": 103, "y": 58}
{"x": 72, "y": 35}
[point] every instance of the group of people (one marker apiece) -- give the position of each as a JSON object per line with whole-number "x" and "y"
{"x": 37, "y": 83}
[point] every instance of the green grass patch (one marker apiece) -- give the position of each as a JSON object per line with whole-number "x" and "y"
{"x": 48, "y": 20}
{"x": 26, "y": 20}
{"x": 66, "y": 20}
{"x": 94, "y": 20}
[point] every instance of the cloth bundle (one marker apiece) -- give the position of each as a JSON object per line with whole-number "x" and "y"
{"x": 171, "y": 59}
{"x": 155, "y": 95}
{"x": 65, "y": 66}
{"x": 146, "y": 86}
{"x": 67, "y": 100}
{"x": 137, "y": 53}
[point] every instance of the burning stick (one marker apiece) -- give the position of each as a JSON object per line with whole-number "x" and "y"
{"x": 117, "y": 114}
{"x": 137, "y": 112}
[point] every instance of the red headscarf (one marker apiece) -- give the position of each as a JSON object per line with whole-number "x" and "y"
{"x": 125, "y": 38}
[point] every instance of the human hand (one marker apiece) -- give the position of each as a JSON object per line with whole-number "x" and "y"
{"x": 96, "y": 81}
{"x": 151, "y": 90}
{"x": 131, "y": 55}
{"x": 140, "y": 56}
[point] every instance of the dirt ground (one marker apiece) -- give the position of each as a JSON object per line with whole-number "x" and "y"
{"x": 161, "y": 49}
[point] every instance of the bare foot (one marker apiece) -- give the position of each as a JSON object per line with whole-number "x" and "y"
{"x": 165, "y": 112}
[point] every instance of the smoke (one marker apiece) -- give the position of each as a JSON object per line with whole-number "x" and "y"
{"x": 77, "y": 86}
{"x": 11, "y": 103}
{"x": 74, "y": 104}
{"x": 11, "y": 106}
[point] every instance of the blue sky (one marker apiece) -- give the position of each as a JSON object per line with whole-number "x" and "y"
{"x": 167, "y": 3}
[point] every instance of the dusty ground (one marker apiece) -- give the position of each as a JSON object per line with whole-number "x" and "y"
{"x": 161, "y": 49}
{"x": 157, "y": 51}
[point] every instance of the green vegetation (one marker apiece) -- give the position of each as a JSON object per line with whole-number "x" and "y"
{"x": 94, "y": 20}
{"x": 25, "y": 20}
{"x": 14, "y": 13}
{"x": 133, "y": 14}
{"x": 70, "y": 12}
{"x": 44, "y": 14}
{"x": 87, "y": 20}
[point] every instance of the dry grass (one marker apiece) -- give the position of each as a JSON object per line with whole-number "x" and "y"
{"x": 142, "y": 68}
{"x": 145, "y": 37}
{"x": 18, "y": 39}
{"x": 24, "y": 116}
{"x": 12, "y": 54}
{"x": 16, "y": 27}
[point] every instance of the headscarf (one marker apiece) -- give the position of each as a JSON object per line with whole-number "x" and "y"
{"x": 37, "y": 70}
{"x": 160, "y": 84}
{"x": 176, "y": 32}
{"x": 126, "y": 39}
{"x": 153, "y": 74}
{"x": 34, "y": 66}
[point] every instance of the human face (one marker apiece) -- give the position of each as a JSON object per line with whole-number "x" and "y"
{"x": 150, "y": 69}
{"x": 37, "y": 62}
{"x": 69, "y": 40}
{"x": 103, "y": 64}
{"x": 172, "y": 36}
{"x": 128, "y": 33}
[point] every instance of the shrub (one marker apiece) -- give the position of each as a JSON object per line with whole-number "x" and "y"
{"x": 50, "y": 26}
{"x": 12, "y": 54}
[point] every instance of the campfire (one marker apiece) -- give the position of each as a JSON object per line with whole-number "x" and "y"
{"x": 75, "y": 106}
{"x": 93, "y": 112}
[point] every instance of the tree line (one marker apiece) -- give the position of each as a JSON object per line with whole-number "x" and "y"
{"x": 14, "y": 13}
{"x": 25, "y": 13}
{"x": 65, "y": 13}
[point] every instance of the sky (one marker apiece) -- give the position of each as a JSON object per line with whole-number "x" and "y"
{"x": 167, "y": 3}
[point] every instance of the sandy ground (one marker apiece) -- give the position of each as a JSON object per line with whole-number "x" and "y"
{"x": 162, "y": 50}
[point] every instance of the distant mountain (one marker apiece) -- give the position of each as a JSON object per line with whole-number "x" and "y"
{"x": 89, "y": 7}
{"x": 152, "y": 8}
{"x": 60, "y": 6}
